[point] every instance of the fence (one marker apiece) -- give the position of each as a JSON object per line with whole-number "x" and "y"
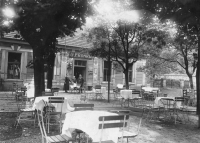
{"x": 171, "y": 83}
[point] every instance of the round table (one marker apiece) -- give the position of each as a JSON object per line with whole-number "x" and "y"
{"x": 79, "y": 120}
{"x": 150, "y": 89}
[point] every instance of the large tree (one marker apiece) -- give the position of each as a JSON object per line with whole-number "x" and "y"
{"x": 185, "y": 13}
{"x": 180, "y": 50}
{"x": 124, "y": 42}
{"x": 40, "y": 22}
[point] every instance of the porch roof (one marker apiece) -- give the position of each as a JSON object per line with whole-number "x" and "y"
{"x": 75, "y": 41}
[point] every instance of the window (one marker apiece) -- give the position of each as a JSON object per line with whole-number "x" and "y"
{"x": 130, "y": 73}
{"x": 80, "y": 63}
{"x": 105, "y": 71}
{"x": 14, "y": 64}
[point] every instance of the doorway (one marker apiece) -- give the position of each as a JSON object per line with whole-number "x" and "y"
{"x": 80, "y": 70}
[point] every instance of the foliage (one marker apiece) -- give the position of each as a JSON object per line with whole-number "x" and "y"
{"x": 40, "y": 22}
{"x": 186, "y": 14}
{"x": 127, "y": 41}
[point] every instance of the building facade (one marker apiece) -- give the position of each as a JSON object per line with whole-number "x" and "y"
{"x": 15, "y": 54}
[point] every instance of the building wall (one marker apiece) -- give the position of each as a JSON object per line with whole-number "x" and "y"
{"x": 93, "y": 71}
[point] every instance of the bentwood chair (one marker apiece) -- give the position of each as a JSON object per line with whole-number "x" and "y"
{"x": 24, "y": 106}
{"x": 138, "y": 114}
{"x": 52, "y": 114}
{"x": 50, "y": 139}
{"x": 55, "y": 90}
{"x": 182, "y": 109}
{"x": 98, "y": 92}
{"x": 117, "y": 98}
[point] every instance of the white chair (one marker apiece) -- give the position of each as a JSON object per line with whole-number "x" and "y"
{"x": 138, "y": 113}
{"x": 45, "y": 137}
{"x": 115, "y": 121}
{"x": 98, "y": 92}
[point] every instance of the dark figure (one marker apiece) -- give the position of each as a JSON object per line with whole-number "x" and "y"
{"x": 66, "y": 84}
{"x": 80, "y": 82}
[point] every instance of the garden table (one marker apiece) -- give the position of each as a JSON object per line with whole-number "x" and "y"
{"x": 88, "y": 122}
{"x": 150, "y": 89}
{"x": 158, "y": 101}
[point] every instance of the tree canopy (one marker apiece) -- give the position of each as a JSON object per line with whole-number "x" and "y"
{"x": 185, "y": 13}
{"x": 40, "y": 22}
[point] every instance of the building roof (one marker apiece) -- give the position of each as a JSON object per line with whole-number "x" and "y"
{"x": 75, "y": 41}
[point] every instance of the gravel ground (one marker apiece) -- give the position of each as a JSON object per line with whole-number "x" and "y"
{"x": 151, "y": 131}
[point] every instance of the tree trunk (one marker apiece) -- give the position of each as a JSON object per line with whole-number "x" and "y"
{"x": 126, "y": 78}
{"x": 50, "y": 70}
{"x": 38, "y": 71}
{"x": 198, "y": 82}
{"x": 191, "y": 82}
{"x": 109, "y": 74}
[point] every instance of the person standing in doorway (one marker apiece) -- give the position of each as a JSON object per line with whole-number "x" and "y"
{"x": 66, "y": 84}
{"x": 80, "y": 82}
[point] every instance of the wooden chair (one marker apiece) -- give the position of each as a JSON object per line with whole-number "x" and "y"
{"x": 137, "y": 112}
{"x": 55, "y": 90}
{"x": 50, "y": 113}
{"x": 115, "y": 121}
{"x": 182, "y": 108}
{"x": 169, "y": 109}
{"x": 45, "y": 137}
{"x": 98, "y": 92}
{"x": 135, "y": 97}
{"x": 24, "y": 106}
{"x": 117, "y": 98}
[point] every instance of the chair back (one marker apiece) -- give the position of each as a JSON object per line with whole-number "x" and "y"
{"x": 41, "y": 124}
{"x": 135, "y": 93}
{"x": 47, "y": 93}
{"x": 24, "y": 89}
{"x": 168, "y": 102}
{"x": 55, "y": 90}
{"x": 79, "y": 107}
{"x": 97, "y": 88}
{"x": 58, "y": 100}
{"x": 113, "y": 121}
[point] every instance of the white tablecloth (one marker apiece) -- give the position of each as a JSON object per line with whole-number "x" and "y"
{"x": 126, "y": 94}
{"x": 149, "y": 89}
{"x": 88, "y": 121}
{"x": 158, "y": 102}
{"x": 39, "y": 104}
